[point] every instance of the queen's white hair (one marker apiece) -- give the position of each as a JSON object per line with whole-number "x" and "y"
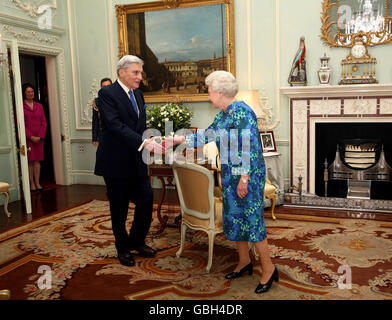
{"x": 125, "y": 61}
{"x": 224, "y": 82}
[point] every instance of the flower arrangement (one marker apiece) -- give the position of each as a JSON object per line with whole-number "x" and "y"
{"x": 179, "y": 114}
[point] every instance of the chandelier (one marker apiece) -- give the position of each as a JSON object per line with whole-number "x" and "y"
{"x": 367, "y": 19}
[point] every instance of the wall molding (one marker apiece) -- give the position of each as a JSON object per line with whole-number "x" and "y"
{"x": 83, "y": 172}
{"x": 278, "y": 58}
{"x": 31, "y": 8}
{"x": 29, "y": 35}
{"x": 87, "y": 112}
{"x": 5, "y": 150}
{"x": 80, "y": 140}
{"x": 111, "y": 38}
{"x": 15, "y": 155}
{"x": 77, "y": 95}
{"x": 29, "y": 24}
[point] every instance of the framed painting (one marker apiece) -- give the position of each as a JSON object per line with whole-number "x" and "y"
{"x": 268, "y": 141}
{"x": 181, "y": 42}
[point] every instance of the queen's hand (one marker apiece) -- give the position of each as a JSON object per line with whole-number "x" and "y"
{"x": 173, "y": 141}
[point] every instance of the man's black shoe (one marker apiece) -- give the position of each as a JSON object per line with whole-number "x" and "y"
{"x": 145, "y": 251}
{"x": 126, "y": 259}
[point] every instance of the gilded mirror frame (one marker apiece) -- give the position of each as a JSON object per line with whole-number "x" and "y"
{"x": 341, "y": 40}
{"x": 127, "y": 13}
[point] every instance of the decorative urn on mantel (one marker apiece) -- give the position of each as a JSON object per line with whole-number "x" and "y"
{"x": 324, "y": 73}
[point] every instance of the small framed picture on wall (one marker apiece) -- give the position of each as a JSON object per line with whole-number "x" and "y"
{"x": 268, "y": 141}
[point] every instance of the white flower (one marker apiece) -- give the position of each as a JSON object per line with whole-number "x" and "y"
{"x": 159, "y": 125}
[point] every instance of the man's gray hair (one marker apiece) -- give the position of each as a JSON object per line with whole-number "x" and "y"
{"x": 125, "y": 61}
{"x": 224, "y": 82}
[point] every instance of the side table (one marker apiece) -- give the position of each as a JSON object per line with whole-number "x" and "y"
{"x": 162, "y": 171}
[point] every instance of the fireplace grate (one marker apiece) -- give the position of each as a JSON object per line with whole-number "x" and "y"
{"x": 358, "y": 161}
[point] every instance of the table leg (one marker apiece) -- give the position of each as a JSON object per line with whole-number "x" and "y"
{"x": 162, "y": 220}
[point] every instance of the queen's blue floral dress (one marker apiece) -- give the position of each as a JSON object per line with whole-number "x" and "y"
{"x": 240, "y": 152}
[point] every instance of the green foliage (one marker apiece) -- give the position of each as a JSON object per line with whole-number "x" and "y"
{"x": 179, "y": 114}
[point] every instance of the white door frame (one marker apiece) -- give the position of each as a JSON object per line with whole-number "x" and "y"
{"x": 59, "y": 117}
{"x": 54, "y": 115}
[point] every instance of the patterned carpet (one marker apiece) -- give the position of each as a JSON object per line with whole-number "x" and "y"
{"x": 77, "y": 246}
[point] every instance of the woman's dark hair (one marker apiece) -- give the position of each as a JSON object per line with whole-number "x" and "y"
{"x": 24, "y": 87}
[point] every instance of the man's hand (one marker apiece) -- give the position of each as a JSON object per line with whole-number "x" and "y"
{"x": 170, "y": 142}
{"x": 153, "y": 146}
{"x": 95, "y": 143}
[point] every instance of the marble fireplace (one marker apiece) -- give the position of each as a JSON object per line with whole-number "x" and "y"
{"x": 361, "y": 106}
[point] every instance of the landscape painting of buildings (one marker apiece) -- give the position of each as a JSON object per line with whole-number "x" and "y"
{"x": 180, "y": 47}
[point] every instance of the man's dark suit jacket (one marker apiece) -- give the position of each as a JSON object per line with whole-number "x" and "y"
{"x": 96, "y": 127}
{"x": 117, "y": 154}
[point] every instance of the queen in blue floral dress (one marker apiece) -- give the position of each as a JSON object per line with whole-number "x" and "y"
{"x": 243, "y": 218}
{"x": 236, "y": 135}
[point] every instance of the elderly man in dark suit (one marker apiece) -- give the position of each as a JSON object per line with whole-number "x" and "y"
{"x": 119, "y": 158}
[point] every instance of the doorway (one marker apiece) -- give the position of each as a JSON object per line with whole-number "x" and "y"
{"x": 33, "y": 71}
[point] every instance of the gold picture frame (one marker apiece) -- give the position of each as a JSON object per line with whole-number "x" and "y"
{"x": 178, "y": 75}
{"x": 331, "y": 35}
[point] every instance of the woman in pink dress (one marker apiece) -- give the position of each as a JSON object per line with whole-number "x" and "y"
{"x": 35, "y": 124}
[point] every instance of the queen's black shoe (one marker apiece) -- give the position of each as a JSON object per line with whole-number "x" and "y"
{"x": 238, "y": 274}
{"x": 261, "y": 288}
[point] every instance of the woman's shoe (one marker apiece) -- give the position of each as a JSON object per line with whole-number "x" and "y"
{"x": 238, "y": 274}
{"x": 261, "y": 288}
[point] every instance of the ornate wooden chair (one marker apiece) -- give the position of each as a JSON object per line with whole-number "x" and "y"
{"x": 4, "y": 189}
{"x": 200, "y": 210}
{"x": 269, "y": 193}
{"x": 211, "y": 153}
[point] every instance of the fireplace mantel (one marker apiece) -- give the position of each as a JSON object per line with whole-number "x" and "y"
{"x": 335, "y": 104}
{"x": 362, "y": 90}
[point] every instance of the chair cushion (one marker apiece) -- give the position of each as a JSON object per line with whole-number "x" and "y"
{"x": 4, "y": 187}
{"x": 204, "y": 223}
